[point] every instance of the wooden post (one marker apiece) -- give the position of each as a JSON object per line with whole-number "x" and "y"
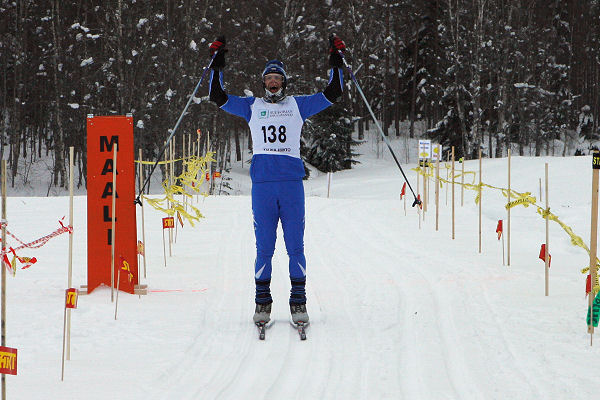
{"x": 453, "y": 192}
{"x": 503, "y": 260}
{"x": 447, "y": 176}
{"x": 70, "y": 279}
{"x": 170, "y": 178}
{"x": 3, "y": 290}
{"x": 117, "y": 301}
{"x": 112, "y": 232}
{"x": 328, "y": 183}
{"x": 462, "y": 182}
{"x": 593, "y": 238}
{"x": 425, "y": 194}
{"x": 437, "y": 189}
{"x": 547, "y": 258}
{"x": 480, "y": 191}
{"x": 141, "y": 175}
{"x": 508, "y": 217}
{"x": 418, "y": 184}
{"x": 62, "y": 374}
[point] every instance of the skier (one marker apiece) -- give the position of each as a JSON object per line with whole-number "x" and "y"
{"x": 275, "y": 122}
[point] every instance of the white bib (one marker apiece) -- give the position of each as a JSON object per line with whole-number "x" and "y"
{"x": 276, "y": 127}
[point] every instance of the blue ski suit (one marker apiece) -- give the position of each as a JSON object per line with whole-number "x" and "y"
{"x": 277, "y": 171}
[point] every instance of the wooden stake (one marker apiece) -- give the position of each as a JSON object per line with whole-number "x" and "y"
{"x": 593, "y": 237}
{"x": 462, "y": 182}
{"x": 508, "y": 217}
{"x": 112, "y": 233}
{"x": 164, "y": 249}
{"x": 418, "y": 180}
{"x": 480, "y": 200}
{"x": 447, "y": 176}
{"x": 62, "y": 374}
{"x": 425, "y": 194}
{"x": 171, "y": 173}
{"x": 70, "y": 280}
{"x": 453, "y": 192}
{"x": 547, "y": 260}
{"x": 503, "y": 262}
{"x": 328, "y": 183}
{"x": 3, "y": 290}
{"x": 437, "y": 188}
{"x": 117, "y": 301}
{"x": 141, "y": 174}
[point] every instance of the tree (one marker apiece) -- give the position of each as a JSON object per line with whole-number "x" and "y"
{"x": 330, "y": 140}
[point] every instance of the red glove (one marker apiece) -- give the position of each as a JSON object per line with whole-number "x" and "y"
{"x": 218, "y": 46}
{"x": 335, "y": 44}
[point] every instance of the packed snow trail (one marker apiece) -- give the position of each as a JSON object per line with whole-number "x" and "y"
{"x": 396, "y": 312}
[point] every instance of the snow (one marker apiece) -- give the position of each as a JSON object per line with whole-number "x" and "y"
{"x": 193, "y": 45}
{"x": 87, "y": 61}
{"x": 140, "y": 124}
{"x": 141, "y": 22}
{"x": 397, "y": 312}
{"x": 73, "y": 105}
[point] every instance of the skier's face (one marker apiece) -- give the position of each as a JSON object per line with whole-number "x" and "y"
{"x": 273, "y": 82}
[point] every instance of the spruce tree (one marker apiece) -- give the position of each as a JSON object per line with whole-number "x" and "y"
{"x": 330, "y": 140}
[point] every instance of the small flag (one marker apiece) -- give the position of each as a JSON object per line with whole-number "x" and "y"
{"x": 543, "y": 255}
{"x": 216, "y": 174}
{"x": 8, "y": 360}
{"x": 420, "y": 204}
{"x": 125, "y": 267}
{"x": 588, "y": 285}
{"x": 499, "y": 229}
{"x": 208, "y": 176}
{"x": 168, "y": 223}
{"x": 179, "y": 219}
{"x": 71, "y": 298}
{"x": 403, "y": 192}
{"x": 140, "y": 247}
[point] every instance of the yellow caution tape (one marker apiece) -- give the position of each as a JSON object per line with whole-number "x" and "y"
{"x": 194, "y": 170}
{"x": 526, "y": 200}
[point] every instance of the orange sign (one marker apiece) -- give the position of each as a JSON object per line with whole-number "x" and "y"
{"x": 71, "y": 298}
{"x": 8, "y": 360}
{"x": 104, "y": 134}
{"x": 216, "y": 174}
{"x": 168, "y": 222}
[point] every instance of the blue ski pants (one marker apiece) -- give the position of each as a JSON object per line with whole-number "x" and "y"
{"x": 271, "y": 202}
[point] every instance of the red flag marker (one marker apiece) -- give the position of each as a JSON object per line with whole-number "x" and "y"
{"x": 543, "y": 255}
{"x": 499, "y": 229}
{"x": 588, "y": 285}
{"x": 403, "y": 192}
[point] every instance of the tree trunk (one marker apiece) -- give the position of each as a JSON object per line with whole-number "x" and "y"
{"x": 59, "y": 162}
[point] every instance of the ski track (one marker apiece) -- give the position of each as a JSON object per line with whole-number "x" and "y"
{"x": 420, "y": 353}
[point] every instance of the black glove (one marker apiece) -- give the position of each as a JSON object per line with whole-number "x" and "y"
{"x": 336, "y": 45}
{"x": 218, "y": 46}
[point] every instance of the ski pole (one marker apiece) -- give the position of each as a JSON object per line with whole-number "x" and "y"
{"x": 417, "y": 201}
{"x": 160, "y": 154}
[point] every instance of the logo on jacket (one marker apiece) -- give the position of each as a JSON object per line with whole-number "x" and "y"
{"x": 263, "y": 114}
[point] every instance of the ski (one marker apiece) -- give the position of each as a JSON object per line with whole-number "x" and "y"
{"x": 301, "y": 328}
{"x": 262, "y": 328}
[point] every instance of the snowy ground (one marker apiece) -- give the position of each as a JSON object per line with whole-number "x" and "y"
{"x": 397, "y": 312}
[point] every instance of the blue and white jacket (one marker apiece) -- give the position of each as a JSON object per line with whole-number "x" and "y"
{"x": 276, "y": 127}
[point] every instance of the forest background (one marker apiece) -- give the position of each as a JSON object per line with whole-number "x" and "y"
{"x": 474, "y": 74}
